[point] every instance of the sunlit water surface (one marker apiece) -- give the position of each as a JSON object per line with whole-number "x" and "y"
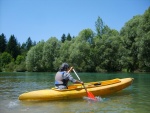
{"x": 134, "y": 99}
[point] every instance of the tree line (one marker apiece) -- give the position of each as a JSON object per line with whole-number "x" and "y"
{"x": 105, "y": 50}
{"x": 13, "y": 54}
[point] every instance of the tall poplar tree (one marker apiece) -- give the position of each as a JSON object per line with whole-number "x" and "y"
{"x": 99, "y": 24}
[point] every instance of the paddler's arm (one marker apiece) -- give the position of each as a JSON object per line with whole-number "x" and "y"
{"x": 78, "y": 82}
{"x": 69, "y": 76}
{"x": 72, "y": 79}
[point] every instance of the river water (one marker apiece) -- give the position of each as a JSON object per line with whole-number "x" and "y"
{"x": 134, "y": 99}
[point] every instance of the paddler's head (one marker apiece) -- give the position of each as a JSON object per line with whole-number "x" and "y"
{"x": 64, "y": 67}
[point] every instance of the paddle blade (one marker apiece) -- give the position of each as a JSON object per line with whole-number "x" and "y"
{"x": 90, "y": 95}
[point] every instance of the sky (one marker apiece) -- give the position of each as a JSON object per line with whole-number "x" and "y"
{"x": 42, "y": 19}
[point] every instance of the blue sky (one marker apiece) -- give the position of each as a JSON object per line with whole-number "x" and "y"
{"x": 42, "y": 19}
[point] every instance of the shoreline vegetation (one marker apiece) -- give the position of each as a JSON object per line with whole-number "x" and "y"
{"x": 102, "y": 50}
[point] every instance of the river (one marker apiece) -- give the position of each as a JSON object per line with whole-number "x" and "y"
{"x": 134, "y": 99}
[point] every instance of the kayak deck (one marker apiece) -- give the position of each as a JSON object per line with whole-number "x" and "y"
{"x": 89, "y": 85}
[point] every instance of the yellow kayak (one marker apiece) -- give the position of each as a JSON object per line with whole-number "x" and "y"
{"x": 100, "y": 88}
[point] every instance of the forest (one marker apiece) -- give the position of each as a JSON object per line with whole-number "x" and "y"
{"x": 102, "y": 50}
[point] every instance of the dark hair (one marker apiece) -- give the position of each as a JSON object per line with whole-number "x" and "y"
{"x": 64, "y": 67}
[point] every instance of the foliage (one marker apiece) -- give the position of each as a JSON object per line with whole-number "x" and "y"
{"x": 3, "y": 43}
{"x": 20, "y": 59}
{"x": 13, "y": 47}
{"x": 21, "y": 67}
{"x": 34, "y": 58}
{"x": 0, "y": 69}
{"x": 99, "y": 24}
{"x": 145, "y": 24}
{"x": 5, "y": 59}
{"x": 63, "y": 54}
{"x": 136, "y": 41}
{"x": 130, "y": 34}
{"x": 144, "y": 52}
{"x": 69, "y": 37}
{"x": 10, "y": 67}
{"x": 13, "y": 52}
{"x": 106, "y": 50}
{"x": 63, "y": 38}
{"x": 50, "y": 52}
{"x": 80, "y": 49}
{"x": 29, "y": 43}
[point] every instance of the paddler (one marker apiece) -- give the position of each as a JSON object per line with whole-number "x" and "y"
{"x": 63, "y": 76}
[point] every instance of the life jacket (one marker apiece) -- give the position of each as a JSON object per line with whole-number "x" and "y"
{"x": 60, "y": 79}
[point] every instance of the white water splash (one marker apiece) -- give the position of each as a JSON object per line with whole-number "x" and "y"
{"x": 13, "y": 104}
{"x": 98, "y": 99}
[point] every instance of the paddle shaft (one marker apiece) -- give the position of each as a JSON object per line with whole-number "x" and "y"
{"x": 76, "y": 74}
{"x": 70, "y": 69}
{"x": 80, "y": 80}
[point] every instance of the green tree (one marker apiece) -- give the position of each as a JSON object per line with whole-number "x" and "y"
{"x": 23, "y": 49}
{"x": 13, "y": 47}
{"x": 34, "y": 58}
{"x": 69, "y": 37}
{"x": 79, "y": 51}
{"x": 20, "y": 59}
{"x": 130, "y": 37}
{"x": 29, "y": 43}
{"x": 99, "y": 24}
{"x": 144, "y": 43}
{"x": 50, "y": 52}
{"x": 3, "y": 43}
{"x": 63, "y": 38}
{"x": 79, "y": 56}
{"x": 5, "y": 58}
{"x": 145, "y": 24}
{"x": 85, "y": 35}
{"x": 144, "y": 52}
{"x": 20, "y": 63}
{"x": 63, "y": 54}
{"x": 108, "y": 54}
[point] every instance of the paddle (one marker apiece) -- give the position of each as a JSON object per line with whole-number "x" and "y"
{"x": 89, "y": 94}
{"x": 70, "y": 69}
